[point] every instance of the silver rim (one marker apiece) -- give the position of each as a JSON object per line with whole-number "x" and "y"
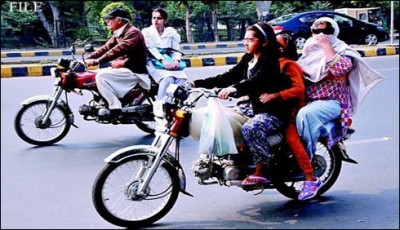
{"x": 118, "y": 192}
{"x": 371, "y": 39}
{"x": 300, "y": 41}
{"x": 32, "y": 115}
{"x": 323, "y": 157}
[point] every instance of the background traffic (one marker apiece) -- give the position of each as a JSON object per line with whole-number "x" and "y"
{"x": 53, "y": 24}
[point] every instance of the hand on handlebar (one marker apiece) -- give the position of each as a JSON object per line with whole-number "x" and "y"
{"x": 92, "y": 62}
{"x": 225, "y": 92}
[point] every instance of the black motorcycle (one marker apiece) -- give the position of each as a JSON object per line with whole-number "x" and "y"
{"x": 140, "y": 184}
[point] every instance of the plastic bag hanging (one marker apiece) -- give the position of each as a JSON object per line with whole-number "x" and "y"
{"x": 216, "y": 132}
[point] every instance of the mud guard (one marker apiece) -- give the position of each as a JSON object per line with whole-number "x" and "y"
{"x": 46, "y": 98}
{"x": 345, "y": 157}
{"x": 138, "y": 150}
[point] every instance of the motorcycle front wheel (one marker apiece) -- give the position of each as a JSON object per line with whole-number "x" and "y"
{"x": 30, "y": 128}
{"x": 115, "y": 194}
{"x": 327, "y": 165}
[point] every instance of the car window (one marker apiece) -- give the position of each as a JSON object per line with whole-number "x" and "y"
{"x": 282, "y": 18}
{"x": 307, "y": 19}
{"x": 342, "y": 21}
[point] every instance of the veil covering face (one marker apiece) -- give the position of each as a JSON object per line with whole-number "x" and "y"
{"x": 314, "y": 65}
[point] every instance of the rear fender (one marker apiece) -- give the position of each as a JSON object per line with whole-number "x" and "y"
{"x": 145, "y": 150}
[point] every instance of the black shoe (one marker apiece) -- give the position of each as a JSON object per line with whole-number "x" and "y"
{"x": 114, "y": 113}
{"x": 109, "y": 115}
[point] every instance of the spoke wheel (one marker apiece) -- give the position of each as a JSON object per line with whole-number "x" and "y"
{"x": 371, "y": 39}
{"x": 327, "y": 165}
{"x": 115, "y": 194}
{"x": 300, "y": 41}
{"x": 29, "y": 125}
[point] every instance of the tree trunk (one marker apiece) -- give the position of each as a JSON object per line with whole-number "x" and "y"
{"x": 215, "y": 24}
{"x": 229, "y": 30}
{"x": 189, "y": 36}
{"x": 53, "y": 32}
{"x": 56, "y": 24}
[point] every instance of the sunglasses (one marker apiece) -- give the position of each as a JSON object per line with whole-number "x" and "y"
{"x": 324, "y": 31}
{"x": 249, "y": 40}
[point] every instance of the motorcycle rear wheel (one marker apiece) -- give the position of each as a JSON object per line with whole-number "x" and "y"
{"x": 114, "y": 194}
{"x": 327, "y": 165}
{"x": 147, "y": 126}
{"x": 28, "y": 128}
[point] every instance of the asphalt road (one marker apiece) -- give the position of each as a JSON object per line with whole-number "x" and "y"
{"x": 50, "y": 187}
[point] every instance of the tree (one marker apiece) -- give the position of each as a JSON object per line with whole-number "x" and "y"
{"x": 56, "y": 17}
{"x": 19, "y": 28}
{"x": 213, "y": 4}
{"x": 187, "y": 5}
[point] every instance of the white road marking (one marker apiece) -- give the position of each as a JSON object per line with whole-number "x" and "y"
{"x": 367, "y": 141}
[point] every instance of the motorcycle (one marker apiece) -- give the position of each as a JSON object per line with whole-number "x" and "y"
{"x": 140, "y": 184}
{"x": 44, "y": 120}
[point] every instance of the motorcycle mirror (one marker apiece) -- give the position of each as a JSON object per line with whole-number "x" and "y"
{"x": 88, "y": 48}
{"x": 72, "y": 49}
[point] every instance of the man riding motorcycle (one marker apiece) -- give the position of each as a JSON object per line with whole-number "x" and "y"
{"x": 126, "y": 50}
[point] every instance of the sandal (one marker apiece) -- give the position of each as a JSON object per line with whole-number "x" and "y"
{"x": 310, "y": 189}
{"x": 255, "y": 180}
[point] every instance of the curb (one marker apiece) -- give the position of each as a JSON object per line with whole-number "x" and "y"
{"x": 13, "y": 54}
{"x": 26, "y": 70}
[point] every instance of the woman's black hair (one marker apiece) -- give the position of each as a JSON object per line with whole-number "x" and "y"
{"x": 162, "y": 12}
{"x": 290, "y": 48}
{"x": 272, "y": 48}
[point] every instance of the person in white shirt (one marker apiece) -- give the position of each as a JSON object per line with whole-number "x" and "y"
{"x": 158, "y": 35}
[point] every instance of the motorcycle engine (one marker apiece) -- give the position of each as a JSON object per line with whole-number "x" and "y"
{"x": 231, "y": 172}
{"x": 87, "y": 110}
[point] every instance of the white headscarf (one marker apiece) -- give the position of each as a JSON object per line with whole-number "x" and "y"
{"x": 313, "y": 62}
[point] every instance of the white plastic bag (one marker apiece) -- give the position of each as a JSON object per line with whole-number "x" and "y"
{"x": 216, "y": 132}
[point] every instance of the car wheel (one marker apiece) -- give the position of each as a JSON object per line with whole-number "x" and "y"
{"x": 300, "y": 41}
{"x": 371, "y": 39}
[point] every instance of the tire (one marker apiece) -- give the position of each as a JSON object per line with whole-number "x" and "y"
{"x": 147, "y": 126}
{"x": 371, "y": 39}
{"x": 27, "y": 118}
{"x": 327, "y": 165}
{"x": 111, "y": 186}
{"x": 300, "y": 41}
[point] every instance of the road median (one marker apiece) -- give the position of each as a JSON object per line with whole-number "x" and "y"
{"x": 42, "y": 68}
